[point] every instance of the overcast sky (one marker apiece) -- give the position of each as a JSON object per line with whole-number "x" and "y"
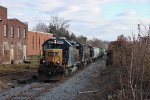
{"x": 103, "y": 19}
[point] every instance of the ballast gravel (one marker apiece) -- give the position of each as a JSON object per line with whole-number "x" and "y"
{"x": 70, "y": 88}
{"x": 67, "y": 90}
{"x": 22, "y": 89}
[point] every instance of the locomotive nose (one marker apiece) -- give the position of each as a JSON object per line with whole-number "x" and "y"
{"x": 54, "y": 55}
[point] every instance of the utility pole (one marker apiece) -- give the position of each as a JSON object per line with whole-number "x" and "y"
{"x": 149, "y": 30}
{"x": 139, "y": 28}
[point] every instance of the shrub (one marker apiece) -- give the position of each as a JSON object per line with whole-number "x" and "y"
{"x": 132, "y": 59}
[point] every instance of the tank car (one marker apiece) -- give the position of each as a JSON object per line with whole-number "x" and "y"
{"x": 96, "y": 53}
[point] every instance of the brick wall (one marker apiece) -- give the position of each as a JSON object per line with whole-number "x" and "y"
{"x": 11, "y": 48}
{"x": 35, "y": 41}
{"x": 3, "y": 14}
{"x": 3, "y": 17}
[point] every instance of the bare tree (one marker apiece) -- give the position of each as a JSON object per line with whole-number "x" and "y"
{"x": 73, "y": 37}
{"x": 82, "y": 39}
{"x": 41, "y": 27}
{"x": 58, "y": 26}
{"x": 90, "y": 42}
{"x": 98, "y": 43}
{"x": 122, "y": 38}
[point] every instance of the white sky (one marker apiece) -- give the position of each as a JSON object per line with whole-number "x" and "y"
{"x": 103, "y": 19}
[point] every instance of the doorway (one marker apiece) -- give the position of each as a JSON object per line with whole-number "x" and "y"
{"x": 12, "y": 54}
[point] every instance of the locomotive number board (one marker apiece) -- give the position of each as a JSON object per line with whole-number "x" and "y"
{"x": 57, "y": 42}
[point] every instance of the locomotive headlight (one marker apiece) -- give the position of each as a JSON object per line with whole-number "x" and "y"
{"x": 55, "y": 41}
{"x": 57, "y": 62}
{"x": 44, "y": 62}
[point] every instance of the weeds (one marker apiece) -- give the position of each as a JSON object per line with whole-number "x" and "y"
{"x": 132, "y": 59}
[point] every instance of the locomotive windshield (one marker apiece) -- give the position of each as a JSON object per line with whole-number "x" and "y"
{"x": 53, "y": 46}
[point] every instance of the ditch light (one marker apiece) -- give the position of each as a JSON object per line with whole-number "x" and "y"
{"x": 0, "y": 19}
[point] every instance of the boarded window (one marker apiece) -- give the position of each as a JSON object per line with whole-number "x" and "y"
{"x": 18, "y": 32}
{"x": 33, "y": 42}
{"x": 5, "y": 30}
{"x": 24, "y": 33}
{"x": 12, "y": 31}
{"x": 6, "y": 47}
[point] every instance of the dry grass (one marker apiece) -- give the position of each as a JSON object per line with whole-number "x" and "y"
{"x": 16, "y": 67}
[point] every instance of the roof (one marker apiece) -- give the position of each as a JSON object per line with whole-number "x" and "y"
{"x": 68, "y": 42}
{"x": 79, "y": 44}
{"x": 40, "y": 32}
{"x": 3, "y": 7}
{"x": 14, "y": 19}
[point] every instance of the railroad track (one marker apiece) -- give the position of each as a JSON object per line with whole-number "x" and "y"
{"x": 27, "y": 92}
{"x": 30, "y": 89}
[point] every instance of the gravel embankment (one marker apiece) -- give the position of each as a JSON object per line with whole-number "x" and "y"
{"x": 70, "y": 88}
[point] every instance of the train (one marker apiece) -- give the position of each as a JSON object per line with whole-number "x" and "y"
{"x": 64, "y": 56}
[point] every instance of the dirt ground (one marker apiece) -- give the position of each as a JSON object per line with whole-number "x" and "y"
{"x": 10, "y": 80}
{"x": 102, "y": 84}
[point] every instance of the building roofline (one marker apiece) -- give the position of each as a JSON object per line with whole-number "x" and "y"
{"x": 40, "y": 32}
{"x": 15, "y": 19}
{"x": 3, "y": 7}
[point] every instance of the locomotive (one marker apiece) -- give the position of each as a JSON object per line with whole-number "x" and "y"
{"x": 62, "y": 55}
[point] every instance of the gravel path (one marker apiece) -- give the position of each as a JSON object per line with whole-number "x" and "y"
{"x": 70, "y": 88}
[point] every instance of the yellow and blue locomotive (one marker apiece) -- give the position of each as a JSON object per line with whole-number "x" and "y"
{"x": 59, "y": 55}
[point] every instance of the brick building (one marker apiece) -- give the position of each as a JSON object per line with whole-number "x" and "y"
{"x": 13, "y": 39}
{"x": 35, "y": 41}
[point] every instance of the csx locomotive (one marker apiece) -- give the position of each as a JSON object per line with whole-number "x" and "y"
{"x": 61, "y": 55}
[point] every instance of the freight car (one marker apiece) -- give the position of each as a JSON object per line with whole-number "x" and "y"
{"x": 80, "y": 54}
{"x": 61, "y": 55}
{"x": 88, "y": 54}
